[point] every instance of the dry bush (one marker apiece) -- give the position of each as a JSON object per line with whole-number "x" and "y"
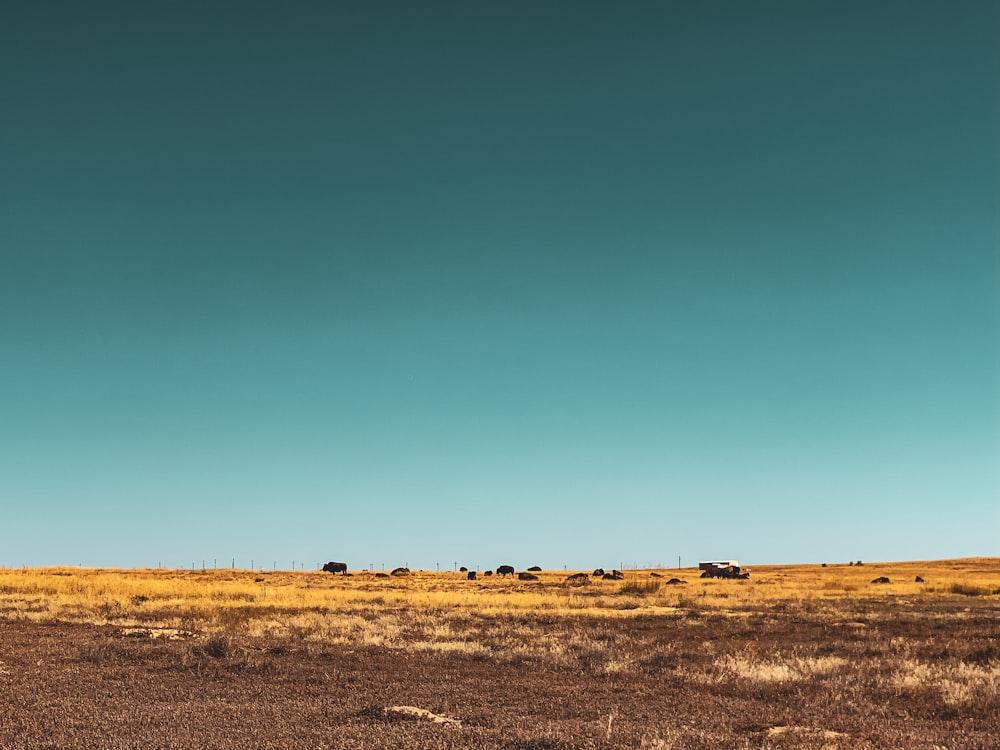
{"x": 791, "y": 668}
{"x": 970, "y": 589}
{"x": 640, "y": 588}
{"x": 957, "y": 684}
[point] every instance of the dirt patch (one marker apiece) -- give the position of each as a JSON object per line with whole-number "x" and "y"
{"x": 409, "y": 713}
{"x": 171, "y": 634}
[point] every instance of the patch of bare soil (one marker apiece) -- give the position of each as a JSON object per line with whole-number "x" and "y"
{"x": 923, "y": 679}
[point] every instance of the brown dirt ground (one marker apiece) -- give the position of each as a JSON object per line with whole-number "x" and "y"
{"x": 647, "y": 682}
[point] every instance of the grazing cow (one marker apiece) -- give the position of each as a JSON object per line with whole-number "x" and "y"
{"x": 336, "y": 567}
{"x": 535, "y": 569}
{"x": 527, "y": 577}
{"x": 505, "y": 570}
{"x": 470, "y": 575}
{"x": 400, "y": 572}
{"x": 487, "y": 573}
{"x": 381, "y": 575}
{"x": 675, "y": 581}
{"x": 463, "y": 569}
{"x": 919, "y": 580}
{"x": 618, "y": 574}
{"x": 578, "y": 578}
{"x": 598, "y": 572}
{"x": 730, "y": 571}
{"x": 880, "y": 579}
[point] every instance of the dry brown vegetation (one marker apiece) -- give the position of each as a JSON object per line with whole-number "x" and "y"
{"x": 797, "y": 656}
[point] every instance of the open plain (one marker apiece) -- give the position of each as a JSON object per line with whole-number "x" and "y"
{"x": 794, "y": 657}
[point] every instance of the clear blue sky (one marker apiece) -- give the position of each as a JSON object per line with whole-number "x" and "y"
{"x": 557, "y": 283}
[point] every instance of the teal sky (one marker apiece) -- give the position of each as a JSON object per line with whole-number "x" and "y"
{"x": 532, "y": 283}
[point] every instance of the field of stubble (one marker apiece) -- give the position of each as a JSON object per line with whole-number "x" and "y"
{"x": 795, "y": 657}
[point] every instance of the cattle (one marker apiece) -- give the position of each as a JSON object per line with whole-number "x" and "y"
{"x": 675, "y": 581}
{"x": 607, "y": 577}
{"x": 463, "y": 569}
{"x": 400, "y": 572}
{"x": 578, "y": 578}
{"x": 617, "y": 574}
{"x": 381, "y": 575}
{"x": 918, "y": 580}
{"x": 470, "y": 575}
{"x": 881, "y": 579}
{"x": 598, "y": 572}
{"x": 336, "y": 567}
{"x": 525, "y": 576}
{"x": 505, "y": 570}
{"x": 487, "y": 573}
{"x": 654, "y": 574}
{"x": 535, "y": 569}
{"x": 729, "y": 571}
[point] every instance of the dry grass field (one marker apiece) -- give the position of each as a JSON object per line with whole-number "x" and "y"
{"x": 794, "y": 657}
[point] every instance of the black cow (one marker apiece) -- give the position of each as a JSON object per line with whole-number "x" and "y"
{"x": 730, "y": 571}
{"x": 527, "y": 576}
{"x": 675, "y": 581}
{"x": 919, "y": 580}
{"x": 578, "y": 578}
{"x": 463, "y": 569}
{"x": 505, "y": 570}
{"x": 381, "y": 575}
{"x": 487, "y": 573}
{"x": 336, "y": 567}
{"x": 470, "y": 574}
{"x": 880, "y": 579}
{"x": 535, "y": 569}
{"x": 654, "y": 574}
{"x": 598, "y": 572}
{"x": 400, "y": 572}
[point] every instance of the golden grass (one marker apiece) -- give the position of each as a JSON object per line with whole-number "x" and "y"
{"x": 956, "y": 684}
{"x": 376, "y": 611}
{"x": 776, "y": 669}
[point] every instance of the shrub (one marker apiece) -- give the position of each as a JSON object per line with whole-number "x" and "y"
{"x": 217, "y": 646}
{"x": 640, "y": 588}
{"x": 968, "y": 589}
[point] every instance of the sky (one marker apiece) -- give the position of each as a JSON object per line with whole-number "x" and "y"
{"x": 467, "y": 283}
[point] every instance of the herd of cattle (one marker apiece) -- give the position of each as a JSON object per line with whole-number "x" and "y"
{"x": 507, "y": 570}
{"x": 709, "y": 570}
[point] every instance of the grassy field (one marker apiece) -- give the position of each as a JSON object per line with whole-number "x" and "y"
{"x": 796, "y": 656}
